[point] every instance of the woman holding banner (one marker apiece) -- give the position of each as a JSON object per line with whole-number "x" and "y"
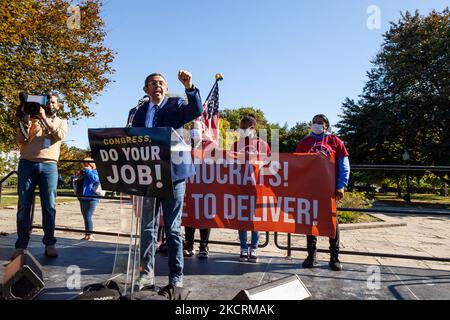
{"x": 320, "y": 140}
{"x": 200, "y": 140}
{"x": 249, "y": 144}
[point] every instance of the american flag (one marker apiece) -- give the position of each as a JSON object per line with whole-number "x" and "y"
{"x": 210, "y": 116}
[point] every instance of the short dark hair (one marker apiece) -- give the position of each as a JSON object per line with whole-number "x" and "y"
{"x": 156, "y": 74}
{"x": 324, "y": 118}
{"x": 250, "y": 119}
{"x": 53, "y": 94}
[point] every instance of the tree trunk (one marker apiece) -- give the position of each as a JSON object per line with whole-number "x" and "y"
{"x": 399, "y": 190}
{"x": 444, "y": 191}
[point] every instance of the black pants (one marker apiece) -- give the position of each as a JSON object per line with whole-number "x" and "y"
{"x": 204, "y": 237}
{"x": 311, "y": 242}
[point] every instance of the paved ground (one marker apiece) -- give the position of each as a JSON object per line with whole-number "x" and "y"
{"x": 418, "y": 235}
{"x": 222, "y": 276}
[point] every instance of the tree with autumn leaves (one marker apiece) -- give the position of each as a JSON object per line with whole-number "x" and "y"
{"x": 40, "y": 50}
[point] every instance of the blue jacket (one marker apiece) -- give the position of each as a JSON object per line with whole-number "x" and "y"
{"x": 175, "y": 113}
{"x": 90, "y": 179}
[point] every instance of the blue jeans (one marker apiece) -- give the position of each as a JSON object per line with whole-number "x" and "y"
{"x": 87, "y": 210}
{"x": 44, "y": 175}
{"x": 243, "y": 239}
{"x": 172, "y": 210}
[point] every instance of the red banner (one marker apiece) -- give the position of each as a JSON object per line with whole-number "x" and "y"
{"x": 293, "y": 194}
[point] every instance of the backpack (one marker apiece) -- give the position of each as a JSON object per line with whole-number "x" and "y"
{"x": 77, "y": 184}
{"x": 108, "y": 290}
{"x": 173, "y": 293}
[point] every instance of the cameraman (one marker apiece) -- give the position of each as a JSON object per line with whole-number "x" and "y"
{"x": 40, "y": 142}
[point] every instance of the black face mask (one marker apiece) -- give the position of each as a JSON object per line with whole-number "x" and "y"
{"x": 50, "y": 111}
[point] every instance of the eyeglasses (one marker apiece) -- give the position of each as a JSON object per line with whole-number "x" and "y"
{"x": 155, "y": 83}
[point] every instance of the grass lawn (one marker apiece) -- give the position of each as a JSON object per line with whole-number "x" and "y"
{"x": 355, "y": 217}
{"x": 359, "y": 200}
{"x": 12, "y": 200}
{"x": 8, "y": 191}
{"x": 419, "y": 201}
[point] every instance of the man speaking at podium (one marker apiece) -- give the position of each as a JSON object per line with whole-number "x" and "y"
{"x": 162, "y": 111}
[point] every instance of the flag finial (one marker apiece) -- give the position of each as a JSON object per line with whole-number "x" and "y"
{"x": 219, "y": 76}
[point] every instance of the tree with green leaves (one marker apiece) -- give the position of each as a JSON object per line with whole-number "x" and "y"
{"x": 8, "y": 162}
{"x": 234, "y": 116}
{"x": 288, "y": 137}
{"x": 229, "y": 122}
{"x": 404, "y": 108}
{"x": 43, "y": 48}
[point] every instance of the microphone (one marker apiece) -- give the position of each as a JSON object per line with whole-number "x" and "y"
{"x": 140, "y": 103}
{"x": 143, "y": 100}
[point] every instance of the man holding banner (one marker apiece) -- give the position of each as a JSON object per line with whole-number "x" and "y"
{"x": 162, "y": 111}
{"x": 321, "y": 141}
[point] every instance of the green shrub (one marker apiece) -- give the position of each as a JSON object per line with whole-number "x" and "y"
{"x": 355, "y": 200}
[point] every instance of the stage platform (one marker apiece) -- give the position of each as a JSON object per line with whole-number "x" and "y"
{"x": 222, "y": 276}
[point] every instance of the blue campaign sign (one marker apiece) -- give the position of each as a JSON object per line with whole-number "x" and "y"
{"x": 133, "y": 160}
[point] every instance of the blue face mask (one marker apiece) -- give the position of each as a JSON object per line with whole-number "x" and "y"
{"x": 246, "y": 133}
{"x": 317, "y": 129}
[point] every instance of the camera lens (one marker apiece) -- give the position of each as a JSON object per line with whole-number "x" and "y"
{"x": 32, "y": 108}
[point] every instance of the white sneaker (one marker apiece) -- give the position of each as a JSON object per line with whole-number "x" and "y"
{"x": 253, "y": 257}
{"x": 244, "y": 255}
{"x": 145, "y": 282}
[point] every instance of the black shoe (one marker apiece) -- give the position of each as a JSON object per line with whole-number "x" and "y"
{"x": 335, "y": 264}
{"x": 203, "y": 252}
{"x": 167, "y": 291}
{"x": 310, "y": 261}
{"x": 17, "y": 253}
{"x": 51, "y": 252}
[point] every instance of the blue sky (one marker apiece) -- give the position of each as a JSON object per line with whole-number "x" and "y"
{"x": 290, "y": 58}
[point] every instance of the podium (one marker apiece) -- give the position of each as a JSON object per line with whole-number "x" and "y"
{"x": 138, "y": 162}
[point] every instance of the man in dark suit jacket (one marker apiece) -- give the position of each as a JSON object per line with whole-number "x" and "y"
{"x": 162, "y": 111}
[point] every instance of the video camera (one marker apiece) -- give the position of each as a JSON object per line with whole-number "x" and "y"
{"x": 31, "y": 104}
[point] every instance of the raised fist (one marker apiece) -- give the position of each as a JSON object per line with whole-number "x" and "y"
{"x": 185, "y": 78}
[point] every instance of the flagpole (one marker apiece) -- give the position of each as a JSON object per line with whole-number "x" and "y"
{"x": 219, "y": 77}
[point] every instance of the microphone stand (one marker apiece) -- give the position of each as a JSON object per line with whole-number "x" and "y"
{"x": 141, "y": 103}
{"x": 138, "y": 206}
